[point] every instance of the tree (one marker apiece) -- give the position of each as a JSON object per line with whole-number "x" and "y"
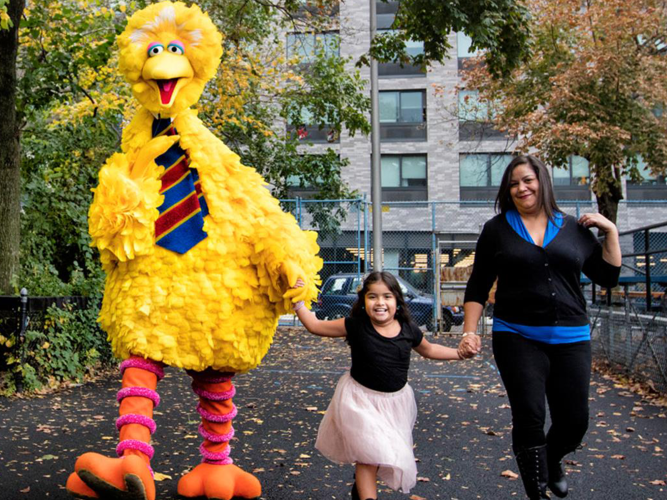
{"x": 10, "y": 15}
{"x": 594, "y": 86}
{"x": 498, "y": 26}
{"x": 71, "y": 102}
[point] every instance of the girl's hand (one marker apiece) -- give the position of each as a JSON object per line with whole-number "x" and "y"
{"x": 597, "y": 220}
{"x": 470, "y": 345}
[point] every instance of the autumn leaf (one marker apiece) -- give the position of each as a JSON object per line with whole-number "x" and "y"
{"x": 509, "y": 474}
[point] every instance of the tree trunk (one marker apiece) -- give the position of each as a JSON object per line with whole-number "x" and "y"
{"x": 608, "y": 202}
{"x": 10, "y": 174}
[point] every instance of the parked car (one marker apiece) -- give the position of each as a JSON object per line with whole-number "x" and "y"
{"x": 340, "y": 291}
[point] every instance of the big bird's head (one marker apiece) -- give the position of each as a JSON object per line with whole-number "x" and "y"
{"x": 168, "y": 52}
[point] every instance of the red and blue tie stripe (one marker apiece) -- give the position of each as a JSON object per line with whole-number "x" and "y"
{"x": 180, "y": 225}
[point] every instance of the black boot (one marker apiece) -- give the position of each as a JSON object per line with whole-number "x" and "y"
{"x": 355, "y": 493}
{"x": 533, "y": 468}
{"x": 557, "y": 481}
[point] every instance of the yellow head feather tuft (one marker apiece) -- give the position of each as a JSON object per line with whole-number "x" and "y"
{"x": 163, "y": 22}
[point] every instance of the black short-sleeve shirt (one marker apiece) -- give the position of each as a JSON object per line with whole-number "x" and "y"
{"x": 378, "y": 362}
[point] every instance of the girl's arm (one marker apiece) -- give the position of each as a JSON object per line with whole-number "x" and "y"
{"x": 334, "y": 328}
{"x": 437, "y": 351}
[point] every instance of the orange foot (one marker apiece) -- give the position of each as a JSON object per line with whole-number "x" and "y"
{"x": 219, "y": 482}
{"x": 105, "y": 478}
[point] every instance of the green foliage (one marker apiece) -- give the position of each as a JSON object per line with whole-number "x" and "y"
{"x": 593, "y": 85}
{"x": 500, "y": 27}
{"x": 59, "y": 168}
{"x": 335, "y": 97}
{"x": 5, "y": 20}
{"x": 66, "y": 346}
{"x": 63, "y": 45}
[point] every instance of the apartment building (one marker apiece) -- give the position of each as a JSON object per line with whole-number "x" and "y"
{"x": 440, "y": 154}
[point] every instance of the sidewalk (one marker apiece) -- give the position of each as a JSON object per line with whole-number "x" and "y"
{"x": 462, "y": 435}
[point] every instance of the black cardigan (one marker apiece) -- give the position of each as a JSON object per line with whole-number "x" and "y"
{"x": 538, "y": 286}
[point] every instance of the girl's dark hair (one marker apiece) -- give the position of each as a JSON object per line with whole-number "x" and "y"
{"x": 546, "y": 198}
{"x": 402, "y": 312}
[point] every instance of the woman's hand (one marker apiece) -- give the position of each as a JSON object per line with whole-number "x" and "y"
{"x": 469, "y": 346}
{"x": 599, "y": 221}
{"x": 611, "y": 248}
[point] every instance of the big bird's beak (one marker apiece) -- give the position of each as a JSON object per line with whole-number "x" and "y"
{"x": 167, "y": 74}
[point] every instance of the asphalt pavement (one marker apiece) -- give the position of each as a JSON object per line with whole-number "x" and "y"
{"x": 462, "y": 435}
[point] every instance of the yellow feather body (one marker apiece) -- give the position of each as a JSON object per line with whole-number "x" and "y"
{"x": 218, "y": 304}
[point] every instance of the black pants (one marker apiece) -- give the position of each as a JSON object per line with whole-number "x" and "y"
{"x": 534, "y": 371}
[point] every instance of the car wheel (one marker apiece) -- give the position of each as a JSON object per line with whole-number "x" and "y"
{"x": 446, "y": 320}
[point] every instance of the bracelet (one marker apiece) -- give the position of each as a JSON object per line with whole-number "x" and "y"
{"x": 298, "y": 305}
{"x": 465, "y": 334}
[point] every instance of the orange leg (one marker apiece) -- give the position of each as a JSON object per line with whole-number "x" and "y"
{"x": 216, "y": 477}
{"x": 128, "y": 477}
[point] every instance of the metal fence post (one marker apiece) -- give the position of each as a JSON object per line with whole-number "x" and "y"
{"x": 24, "y": 327}
{"x": 647, "y": 257}
{"x": 434, "y": 281}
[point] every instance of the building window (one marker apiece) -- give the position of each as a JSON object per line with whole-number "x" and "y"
{"x": 386, "y": 12}
{"x": 475, "y": 118}
{"x": 308, "y": 9}
{"x": 306, "y": 46}
{"x": 480, "y": 174}
{"x": 576, "y": 173}
{"x": 571, "y": 181}
{"x": 463, "y": 46}
{"x": 403, "y": 115}
{"x": 308, "y": 131}
{"x": 650, "y": 187}
{"x": 404, "y": 177}
{"x": 464, "y": 51}
{"x": 308, "y": 183}
{"x": 396, "y": 68}
{"x": 471, "y": 108}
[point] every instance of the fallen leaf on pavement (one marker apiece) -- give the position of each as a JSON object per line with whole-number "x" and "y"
{"x": 509, "y": 474}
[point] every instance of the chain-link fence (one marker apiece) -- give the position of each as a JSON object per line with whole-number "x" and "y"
{"x": 430, "y": 246}
{"x": 629, "y": 323}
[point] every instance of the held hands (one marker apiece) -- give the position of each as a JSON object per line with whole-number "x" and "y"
{"x": 597, "y": 220}
{"x": 299, "y": 284}
{"x": 293, "y": 275}
{"x": 470, "y": 345}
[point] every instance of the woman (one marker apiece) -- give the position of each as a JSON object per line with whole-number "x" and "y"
{"x": 541, "y": 332}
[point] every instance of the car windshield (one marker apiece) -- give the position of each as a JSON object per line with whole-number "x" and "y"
{"x": 407, "y": 288}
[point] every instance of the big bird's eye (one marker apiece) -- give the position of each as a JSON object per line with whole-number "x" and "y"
{"x": 155, "y": 49}
{"x": 176, "y": 47}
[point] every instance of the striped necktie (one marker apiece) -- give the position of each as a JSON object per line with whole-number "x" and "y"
{"x": 180, "y": 225}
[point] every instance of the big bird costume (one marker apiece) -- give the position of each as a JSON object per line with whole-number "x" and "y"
{"x": 199, "y": 257}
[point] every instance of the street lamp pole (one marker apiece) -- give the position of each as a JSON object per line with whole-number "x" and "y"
{"x": 376, "y": 177}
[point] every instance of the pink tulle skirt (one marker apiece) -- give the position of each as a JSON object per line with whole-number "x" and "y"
{"x": 371, "y": 427}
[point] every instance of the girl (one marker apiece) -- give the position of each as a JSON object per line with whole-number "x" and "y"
{"x": 370, "y": 418}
